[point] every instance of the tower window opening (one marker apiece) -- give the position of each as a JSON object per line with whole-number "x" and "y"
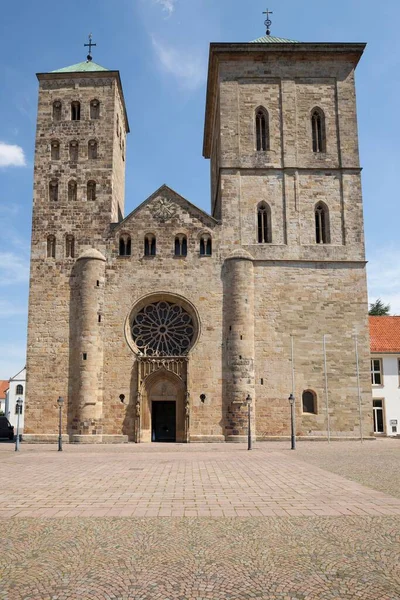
{"x": 69, "y": 246}
{"x": 150, "y": 247}
{"x": 55, "y": 150}
{"x": 53, "y": 190}
{"x": 91, "y": 190}
{"x": 318, "y": 130}
{"x": 321, "y": 224}
{"x": 57, "y": 106}
{"x": 94, "y": 109}
{"x": 73, "y": 151}
{"x": 264, "y": 229}
{"x": 72, "y": 191}
{"x": 206, "y": 245}
{"x": 92, "y": 149}
{"x": 181, "y": 245}
{"x": 99, "y": 318}
{"x": 51, "y": 246}
{"x": 262, "y": 130}
{"x": 125, "y": 245}
{"x": 20, "y": 389}
{"x": 75, "y": 111}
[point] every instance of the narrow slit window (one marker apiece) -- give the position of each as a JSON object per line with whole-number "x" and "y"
{"x": 262, "y": 130}
{"x": 53, "y": 191}
{"x": 72, "y": 191}
{"x": 57, "y": 111}
{"x": 51, "y": 246}
{"x": 91, "y": 190}
{"x": 318, "y": 131}
{"x": 69, "y": 246}
{"x": 75, "y": 111}
{"x": 92, "y": 149}
{"x": 321, "y": 224}
{"x": 264, "y": 229}
{"x": 95, "y": 109}
{"x": 73, "y": 151}
{"x": 55, "y": 150}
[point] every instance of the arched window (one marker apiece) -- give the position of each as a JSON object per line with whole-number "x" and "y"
{"x": 205, "y": 245}
{"x": 150, "y": 245}
{"x": 262, "y": 130}
{"x": 55, "y": 150}
{"x": 73, "y": 151}
{"x": 318, "y": 130}
{"x": 51, "y": 246}
{"x": 91, "y": 190}
{"x": 95, "y": 109}
{"x": 309, "y": 402}
{"x": 69, "y": 246}
{"x": 92, "y": 149}
{"x": 57, "y": 110}
{"x": 264, "y": 229}
{"x": 20, "y": 389}
{"x": 125, "y": 245}
{"x": 181, "y": 245}
{"x": 321, "y": 224}
{"x": 72, "y": 191}
{"x": 53, "y": 190}
{"x": 75, "y": 111}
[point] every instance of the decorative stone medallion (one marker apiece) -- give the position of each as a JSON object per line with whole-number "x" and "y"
{"x": 163, "y": 209}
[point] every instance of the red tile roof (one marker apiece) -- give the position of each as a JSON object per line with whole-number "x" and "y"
{"x": 3, "y": 387}
{"x": 385, "y": 334}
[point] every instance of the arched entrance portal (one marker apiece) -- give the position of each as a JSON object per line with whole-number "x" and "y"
{"x": 164, "y": 412}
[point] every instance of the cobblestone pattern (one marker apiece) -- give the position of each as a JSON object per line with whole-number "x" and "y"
{"x": 202, "y": 559}
{"x": 165, "y": 481}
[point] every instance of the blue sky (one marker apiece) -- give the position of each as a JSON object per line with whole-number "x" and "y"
{"x": 161, "y": 49}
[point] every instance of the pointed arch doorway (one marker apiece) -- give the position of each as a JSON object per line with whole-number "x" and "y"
{"x": 163, "y": 408}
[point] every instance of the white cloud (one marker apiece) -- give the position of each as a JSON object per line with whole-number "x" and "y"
{"x": 11, "y": 155}
{"x": 384, "y": 276}
{"x": 168, "y": 6}
{"x": 14, "y": 268}
{"x": 189, "y": 70}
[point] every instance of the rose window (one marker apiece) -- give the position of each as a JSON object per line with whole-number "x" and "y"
{"x": 163, "y": 329}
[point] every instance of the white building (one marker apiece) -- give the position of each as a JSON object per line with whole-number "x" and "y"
{"x": 3, "y": 395}
{"x": 16, "y": 390}
{"x": 385, "y": 374}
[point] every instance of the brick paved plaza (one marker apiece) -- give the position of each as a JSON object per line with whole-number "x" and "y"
{"x": 200, "y": 522}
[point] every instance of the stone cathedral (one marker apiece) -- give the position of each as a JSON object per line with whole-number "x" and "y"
{"x": 162, "y": 325}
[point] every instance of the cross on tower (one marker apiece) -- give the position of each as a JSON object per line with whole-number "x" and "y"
{"x": 268, "y": 21}
{"x": 90, "y": 44}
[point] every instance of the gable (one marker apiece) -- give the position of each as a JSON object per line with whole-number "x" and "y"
{"x": 164, "y": 207}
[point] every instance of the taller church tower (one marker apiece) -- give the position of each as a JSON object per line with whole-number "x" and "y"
{"x": 79, "y": 181}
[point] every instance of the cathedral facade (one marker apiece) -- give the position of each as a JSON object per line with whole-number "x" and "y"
{"x": 163, "y": 325}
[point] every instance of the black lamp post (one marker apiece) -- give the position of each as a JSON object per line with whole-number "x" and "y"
{"x": 292, "y": 419}
{"x": 249, "y": 444}
{"x": 60, "y": 402}
{"x": 19, "y": 404}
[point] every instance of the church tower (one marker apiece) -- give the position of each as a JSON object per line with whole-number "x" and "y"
{"x": 79, "y": 180}
{"x": 281, "y": 133}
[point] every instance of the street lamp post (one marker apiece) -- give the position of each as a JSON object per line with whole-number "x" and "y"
{"x": 249, "y": 444}
{"x": 19, "y": 404}
{"x": 292, "y": 420}
{"x": 60, "y": 402}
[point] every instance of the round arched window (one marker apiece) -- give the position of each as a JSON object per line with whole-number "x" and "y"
{"x": 163, "y": 329}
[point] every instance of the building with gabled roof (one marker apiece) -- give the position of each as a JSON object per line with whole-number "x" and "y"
{"x": 164, "y": 324}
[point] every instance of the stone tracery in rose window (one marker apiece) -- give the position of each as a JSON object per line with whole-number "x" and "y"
{"x": 163, "y": 329}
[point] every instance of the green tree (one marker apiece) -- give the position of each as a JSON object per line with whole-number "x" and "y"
{"x": 378, "y": 309}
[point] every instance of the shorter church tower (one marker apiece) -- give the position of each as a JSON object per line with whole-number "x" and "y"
{"x": 79, "y": 182}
